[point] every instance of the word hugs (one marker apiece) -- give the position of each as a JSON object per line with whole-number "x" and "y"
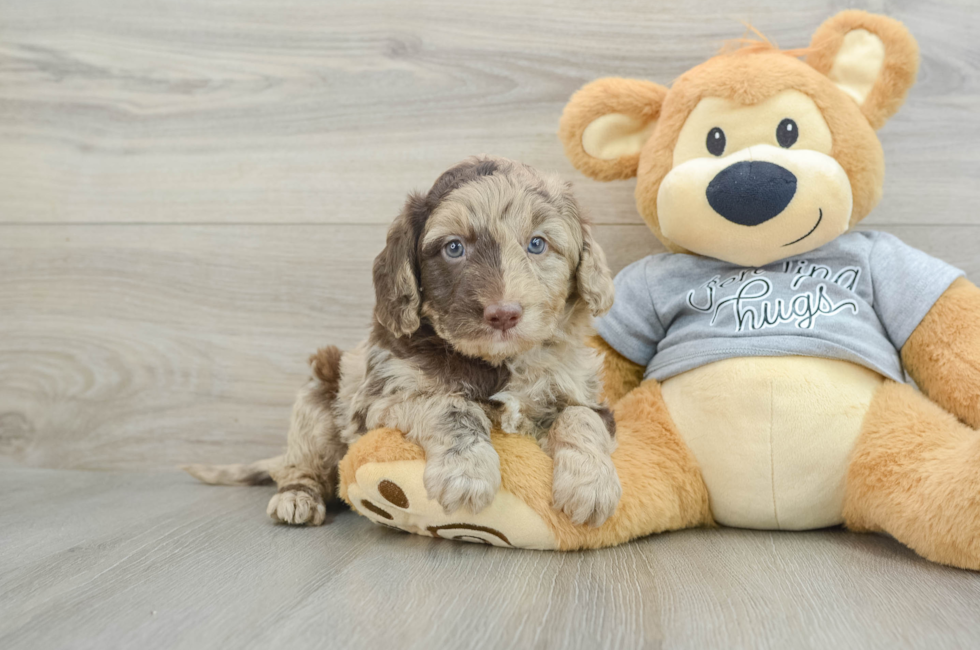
{"x": 798, "y": 293}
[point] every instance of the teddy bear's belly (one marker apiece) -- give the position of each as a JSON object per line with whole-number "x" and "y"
{"x": 773, "y": 435}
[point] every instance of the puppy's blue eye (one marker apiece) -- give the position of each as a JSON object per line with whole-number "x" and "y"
{"x": 537, "y": 246}
{"x": 454, "y": 249}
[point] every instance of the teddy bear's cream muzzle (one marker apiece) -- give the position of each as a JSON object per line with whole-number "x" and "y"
{"x": 778, "y": 203}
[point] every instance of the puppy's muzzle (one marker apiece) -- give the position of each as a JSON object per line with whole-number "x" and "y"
{"x": 751, "y": 192}
{"x": 503, "y": 315}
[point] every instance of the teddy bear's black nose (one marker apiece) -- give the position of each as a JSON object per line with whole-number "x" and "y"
{"x": 751, "y": 192}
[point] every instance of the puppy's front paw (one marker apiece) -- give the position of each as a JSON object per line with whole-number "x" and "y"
{"x": 511, "y": 419}
{"x": 300, "y": 506}
{"x": 468, "y": 479}
{"x": 585, "y": 486}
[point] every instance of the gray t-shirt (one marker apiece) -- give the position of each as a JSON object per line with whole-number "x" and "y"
{"x": 858, "y": 298}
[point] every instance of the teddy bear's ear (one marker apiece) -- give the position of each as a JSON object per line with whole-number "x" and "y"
{"x": 606, "y": 124}
{"x": 872, "y": 58}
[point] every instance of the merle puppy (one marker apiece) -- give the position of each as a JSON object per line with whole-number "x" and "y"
{"x": 485, "y": 292}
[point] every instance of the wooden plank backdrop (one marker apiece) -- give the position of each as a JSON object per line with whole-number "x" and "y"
{"x": 191, "y": 193}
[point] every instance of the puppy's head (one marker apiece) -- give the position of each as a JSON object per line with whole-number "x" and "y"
{"x": 496, "y": 257}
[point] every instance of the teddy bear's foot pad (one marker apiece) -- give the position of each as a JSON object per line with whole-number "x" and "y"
{"x": 392, "y": 494}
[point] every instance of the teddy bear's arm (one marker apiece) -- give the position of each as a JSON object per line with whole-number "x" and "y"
{"x": 943, "y": 353}
{"x": 619, "y": 374}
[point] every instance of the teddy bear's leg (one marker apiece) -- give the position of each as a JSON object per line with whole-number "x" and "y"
{"x": 662, "y": 488}
{"x": 915, "y": 474}
{"x": 661, "y": 482}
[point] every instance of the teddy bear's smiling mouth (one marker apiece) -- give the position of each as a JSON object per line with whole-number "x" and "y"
{"x": 796, "y": 241}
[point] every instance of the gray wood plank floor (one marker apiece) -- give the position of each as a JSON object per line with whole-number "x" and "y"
{"x": 124, "y": 560}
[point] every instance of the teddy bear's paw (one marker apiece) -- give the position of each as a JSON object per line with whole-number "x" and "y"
{"x": 299, "y": 506}
{"x": 467, "y": 480}
{"x": 585, "y": 486}
{"x": 392, "y": 494}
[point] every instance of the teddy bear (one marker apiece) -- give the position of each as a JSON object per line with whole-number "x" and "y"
{"x": 759, "y": 372}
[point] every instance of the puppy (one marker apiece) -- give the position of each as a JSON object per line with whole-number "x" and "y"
{"x": 485, "y": 293}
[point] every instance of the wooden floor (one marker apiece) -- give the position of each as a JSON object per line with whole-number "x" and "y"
{"x": 125, "y": 560}
{"x": 191, "y": 195}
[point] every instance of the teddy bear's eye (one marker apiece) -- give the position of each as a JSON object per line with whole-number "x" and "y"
{"x": 716, "y": 142}
{"x": 787, "y": 133}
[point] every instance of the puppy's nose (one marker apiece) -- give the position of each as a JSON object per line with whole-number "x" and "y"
{"x": 751, "y": 192}
{"x": 502, "y": 315}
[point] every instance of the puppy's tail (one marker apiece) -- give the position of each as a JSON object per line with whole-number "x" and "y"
{"x": 257, "y": 473}
{"x": 326, "y": 368}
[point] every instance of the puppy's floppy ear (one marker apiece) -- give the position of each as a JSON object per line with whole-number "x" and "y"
{"x": 607, "y": 122}
{"x": 396, "y": 287}
{"x": 595, "y": 283}
{"x": 872, "y": 58}
{"x": 593, "y": 280}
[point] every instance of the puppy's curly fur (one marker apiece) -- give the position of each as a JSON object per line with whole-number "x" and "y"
{"x": 490, "y": 237}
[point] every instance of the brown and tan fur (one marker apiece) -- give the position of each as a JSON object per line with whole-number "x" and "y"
{"x": 434, "y": 368}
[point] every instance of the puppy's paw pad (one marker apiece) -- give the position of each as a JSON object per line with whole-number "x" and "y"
{"x": 585, "y": 487}
{"x": 464, "y": 480}
{"x": 298, "y": 507}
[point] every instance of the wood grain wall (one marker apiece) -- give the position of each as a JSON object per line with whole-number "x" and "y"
{"x": 191, "y": 193}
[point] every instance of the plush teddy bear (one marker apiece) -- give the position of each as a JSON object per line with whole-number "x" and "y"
{"x": 758, "y": 371}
